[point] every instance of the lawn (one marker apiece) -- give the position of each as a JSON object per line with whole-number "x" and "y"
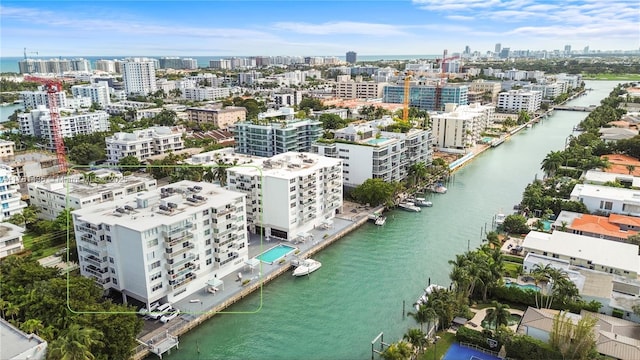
{"x": 29, "y": 239}
{"x": 437, "y": 350}
{"x": 512, "y": 269}
{"x": 630, "y": 77}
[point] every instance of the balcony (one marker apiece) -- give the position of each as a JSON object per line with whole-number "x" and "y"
{"x": 92, "y": 260}
{"x": 225, "y": 211}
{"x": 182, "y": 282}
{"x": 182, "y": 271}
{"x": 87, "y": 228}
{"x": 95, "y": 271}
{"x": 174, "y": 264}
{"x": 173, "y": 240}
{"x": 173, "y": 254}
{"x": 89, "y": 239}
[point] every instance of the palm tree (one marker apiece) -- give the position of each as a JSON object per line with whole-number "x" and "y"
{"x": 631, "y": 169}
{"x": 397, "y": 351}
{"x": 416, "y": 338}
{"x": 494, "y": 240}
{"x": 12, "y": 310}
{"x": 499, "y": 314}
{"x": 75, "y": 344}
{"x": 552, "y": 163}
{"x": 424, "y": 314}
{"x": 32, "y": 326}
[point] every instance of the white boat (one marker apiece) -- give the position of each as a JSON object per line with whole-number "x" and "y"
{"x": 409, "y": 206}
{"x": 439, "y": 188}
{"x": 306, "y": 267}
{"x": 381, "y": 220}
{"x": 500, "y": 219}
{"x": 422, "y": 202}
{"x": 422, "y": 300}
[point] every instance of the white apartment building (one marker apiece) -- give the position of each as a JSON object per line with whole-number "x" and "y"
{"x": 77, "y": 191}
{"x": 288, "y": 194}
{"x": 143, "y": 144}
{"x": 549, "y": 91}
{"x": 98, "y": 93}
{"x": 10, "y": 202}
{"x": 368, "y": 152}
{"x": 269, "y": 139}
{"x": 460, "y": 127}
{"x": 292, "y": 99}
{"x": 139, "y": 76}
{"x": 108, "y": 66}
{"x": 606, "y": 199}
{"x": 10, "y": 239}
{"x": 573, "y": 80}
{"x": 7, "y": 149}
{"x": 205, "y": 93}
{"x": 121, "y": 107}
{"x": 359, "y": 89}
{"x": 163, "y": 245}
{"x": 33, "y": 99}
{"x": 38, "y": 123}
{"x": 613, "y": 257}
{"x": 516, "y": 100}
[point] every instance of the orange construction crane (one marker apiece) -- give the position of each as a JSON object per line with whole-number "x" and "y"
{"x": 53, "y": 87}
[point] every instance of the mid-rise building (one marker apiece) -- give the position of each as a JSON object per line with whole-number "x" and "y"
{"x": 460, "y": 127}
{"x": 10, "y": 239}
{"x": 33, "y": 99}
{"x": 53, "y": 196}
{"x": 205, "y": 93}
{"x": 367, "y": 151}
{"x": 53, "y": 66}
{"x": 139, "y": 76}
{"x": 359, "y": 89}
{"x": 163, "y": 245}
{"x": 427, "y": 97}
{"x": 10, "y": 202}
{"x": 99, "y": 93}
{"x": 223, "y": 118}
{"x": 489, "y": 87}
{"x": 517, "y": 100}
{"x": 269, "y": 139}
{"x": 287, "y": 195}
{"x": 143, "y": 144}
{"x": 178, "y": 63}
{"x": 38, "y": 123}
{"x": 549, "y": 91}
{"x": 288, "y": 99}
{"x": 7, "y": 150}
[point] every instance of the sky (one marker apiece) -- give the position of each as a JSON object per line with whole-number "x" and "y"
{"x": 312, "y": 27}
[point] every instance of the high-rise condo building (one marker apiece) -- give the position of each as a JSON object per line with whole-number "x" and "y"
{"x": 139, "y": 76}
{"x": 351, "y": 57}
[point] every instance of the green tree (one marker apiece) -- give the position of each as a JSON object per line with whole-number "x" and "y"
{"x": 374, "y": 192}
{"x": 84, "y": 154}
{"x": 129, "y": 162}
{"x": 166, "y": 118}
{"x": 552, "y": 163}
{"x": 523, "y": 117}
{"x": 515, "y": 224}
{"x": 397, "y": 351}
{"x": 498, "y": 314}
{"x": 32, "y": 326}
{"x": 75, "y": 344}
{"x": 332, "y": 121}
{"x": 574, "y": 341}
{"x": 424, "y": 314}
{"x": 416, "y": 338}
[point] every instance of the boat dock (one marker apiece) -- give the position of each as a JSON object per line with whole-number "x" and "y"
{"x": 201, "y": 305}
{"x": 575, "y": 108}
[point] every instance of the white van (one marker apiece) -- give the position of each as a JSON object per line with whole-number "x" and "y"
{"x": 160, "y": 311}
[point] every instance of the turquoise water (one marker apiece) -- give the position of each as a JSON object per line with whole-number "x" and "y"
{"x": 335, "y": 314}
{"x": 376, "y": 141}
{"x": 546, "y": 225}
{"x": 525, "y": 287}
{"x": 275, "y": 253}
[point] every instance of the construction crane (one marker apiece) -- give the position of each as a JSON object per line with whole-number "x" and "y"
{"x": 443, "y": 75}
{"x": 53, "y": 87}
{"x": 407, "y": 93}
{"x": 28, "y": 52}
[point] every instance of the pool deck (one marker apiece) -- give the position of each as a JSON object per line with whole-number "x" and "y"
{"x": 202, "y": 305}
{"x": 482, "y": 313}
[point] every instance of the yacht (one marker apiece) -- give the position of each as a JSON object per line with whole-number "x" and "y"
{"x": 409, "y": 206}
{"x": 422, "y": 202}
{"x": 306, "y": 267}
{"x": 439, "y": 188}
{"x": 500, "y": 219}
{"x": 381, "y": 220}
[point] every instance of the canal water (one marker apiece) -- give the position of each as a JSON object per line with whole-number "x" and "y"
{"x": 359, "y": 292}
{"x": 8, "y": 110}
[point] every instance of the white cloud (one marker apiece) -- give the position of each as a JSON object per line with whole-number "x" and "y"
{"x": 340, "y": 27}
{"x": 460, "y": 17}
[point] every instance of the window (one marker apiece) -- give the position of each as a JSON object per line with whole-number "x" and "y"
{"x": 209, "y": 261}
{"x": 155, "y": 265}
{"x": 157, "y": 287}
{"x": 115, "y": 281}
{"x": 206, "y": 212}
{"x": 156, "y": 276}
{"x": 108, "y": 238}
{"x": 152, "y": 242}
{"x": 208, "y": 252}
{"x": 207, "y": 242}
{"x": 111, "y": 260}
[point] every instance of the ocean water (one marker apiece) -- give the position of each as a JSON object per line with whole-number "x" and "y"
{"x": 10, "y": 64}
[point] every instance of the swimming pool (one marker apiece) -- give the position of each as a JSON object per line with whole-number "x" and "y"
{"x": 376, "y": 141}
{"x": 275, "y": 253}
{"x": 457, "y": 352}
{"x": 546, "y": 225}
{"x": 525, "y": 287}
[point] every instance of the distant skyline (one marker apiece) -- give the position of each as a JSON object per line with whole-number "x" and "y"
{"x": 313, "y": 28}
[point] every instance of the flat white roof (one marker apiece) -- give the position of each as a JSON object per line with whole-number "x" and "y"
{"x": 609, "y": 253}
{"x": 605, "y": 192}
{"x": 601, "y": 177}
{"x": 140, "y": 218}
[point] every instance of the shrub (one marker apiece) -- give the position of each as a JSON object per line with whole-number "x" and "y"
{"x": 526, "y": 347}
{"x": 617, "y": 313}
{"x": 511, "y": 258}
{"x": 245, "y": 282}
{"x": 464, "y": 334}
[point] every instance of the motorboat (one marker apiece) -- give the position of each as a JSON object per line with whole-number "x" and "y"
{"x": 422, "y": 300}
{"x": 439, "y": 188}
{"x": 422, "y": 202}
{"x": 306, "y": 267}
{"x": 500, "y": 219}
{"x": 381, "y": 220}
{"x": 409, "y": 206}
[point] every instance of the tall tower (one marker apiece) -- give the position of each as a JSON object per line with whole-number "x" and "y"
{"x": 351, "y": 57}
{"x": 498, "y": 48}
{"x": 139, "y": 76}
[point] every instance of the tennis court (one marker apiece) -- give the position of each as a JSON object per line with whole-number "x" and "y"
{"x": 457, "y": 352}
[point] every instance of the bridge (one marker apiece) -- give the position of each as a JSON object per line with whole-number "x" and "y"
{"x": 575, "y": 108}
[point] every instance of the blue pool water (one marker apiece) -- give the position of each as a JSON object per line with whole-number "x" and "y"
{"x": 525, "y": 287}
{"x": 275, "y": 253}
{"x": 376, "y": 141}
{"x": 546, "y": 224}
{"x": 457, "y": 352}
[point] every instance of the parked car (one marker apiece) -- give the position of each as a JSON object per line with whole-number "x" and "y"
{"x": 168, "y": 317}
{"x": 161, "y": 311}
{"x": 144, "y": 311}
